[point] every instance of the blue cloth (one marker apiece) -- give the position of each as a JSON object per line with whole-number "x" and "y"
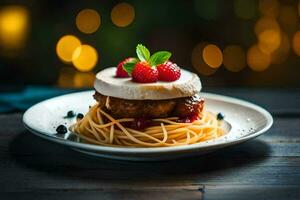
{"x": 21, "y": 100}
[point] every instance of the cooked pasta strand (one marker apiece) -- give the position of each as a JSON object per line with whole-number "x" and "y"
{"x": 98, "y": 127}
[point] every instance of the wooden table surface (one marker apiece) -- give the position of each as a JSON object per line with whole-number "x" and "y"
{"x": 265, "y": 168}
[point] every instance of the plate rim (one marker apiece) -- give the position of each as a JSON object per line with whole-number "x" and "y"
{"x": 149, "y": 150}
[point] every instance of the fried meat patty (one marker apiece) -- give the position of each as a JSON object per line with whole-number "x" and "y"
{"x": 124, "y": 108}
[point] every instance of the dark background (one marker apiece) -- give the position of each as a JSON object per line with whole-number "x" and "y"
{"x": 177, "y": 26}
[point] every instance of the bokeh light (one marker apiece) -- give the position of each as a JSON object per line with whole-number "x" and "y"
{"x": 212, "y": 56}
{"x": 88, "y": 21}
{"x": 14, "y": 21}
{"x": 266, "y": 23}
{"x": 85, "y": 58}
{"x": 268, "y": 33}
{"x": 269, "y": 8}
{"x": 288, "y": 17}
{"x": 258, "y": 60}
{"x": 66, "y": 46}
{"x": 198, "y": 62}
{"x": 234, "y": 58}
{"x": 281, "y": 54}
{"x": 122, "y": 14}
{"x": 269, "y": 41}
{"x": 296, "y": 43}
{"x": 245, "y": 9}
{"x": 207, "y": 9}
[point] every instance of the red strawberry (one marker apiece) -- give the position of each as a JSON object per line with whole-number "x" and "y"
{"x": 168, "y": 72}
{"x": 121, "y": 73}
{"x": 144, "y": 73}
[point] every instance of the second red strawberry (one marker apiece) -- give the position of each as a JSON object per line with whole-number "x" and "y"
{"x": 168, "y": 72}
{"x": 143, "y": 73}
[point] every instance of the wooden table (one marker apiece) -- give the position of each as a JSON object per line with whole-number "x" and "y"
{"x": 265, "y": 168}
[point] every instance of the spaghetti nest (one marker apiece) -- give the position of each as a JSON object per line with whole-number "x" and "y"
{"x": 98, "y": 127}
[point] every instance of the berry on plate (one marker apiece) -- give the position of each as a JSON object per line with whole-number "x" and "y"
{"x": 168, "y": 72}
{"x": 144, "y": 73}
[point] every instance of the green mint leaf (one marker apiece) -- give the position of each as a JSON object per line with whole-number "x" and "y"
{"x": 129, "y": 66}
{"x": 159, "y": 57}
{"x": 142, "y": 52}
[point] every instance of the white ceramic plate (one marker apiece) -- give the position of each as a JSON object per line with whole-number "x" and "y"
{"x": 244, "y": 121}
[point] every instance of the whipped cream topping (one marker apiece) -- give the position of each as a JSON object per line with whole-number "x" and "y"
{"x": 107, "y": 84}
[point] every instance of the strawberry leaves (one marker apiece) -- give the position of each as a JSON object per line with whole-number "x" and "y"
{"x": 144, "y": 55}
{"x": 142, "y": 52}
{"x": 159, "y": 57}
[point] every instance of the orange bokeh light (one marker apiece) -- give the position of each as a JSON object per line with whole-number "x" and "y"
{"x": 66, "y": 46}
{"x": 198, "y": 62}
{"x": 296, "y": 43}
{"x": 85, "y": 58}
{"x": 268, "y": 33}
{"x": 269, "y": 41}
{"x": 266, "y": 23}
{"x": 281, "y": 54}
{"x": 258, "y": 60}
{"x": 88, "y": 21}
{"x": 14, "y": 22}
{"x": 122, "y": 14}
{"x": 234, "y": 58}
{"x": 212, "y": 56}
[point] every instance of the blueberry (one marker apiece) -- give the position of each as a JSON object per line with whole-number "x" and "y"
{"x": 80, "y": 116}
{"x": 220, "y": 116}
{"x": 61, "y": 129}
{"x": 71, "y": 113}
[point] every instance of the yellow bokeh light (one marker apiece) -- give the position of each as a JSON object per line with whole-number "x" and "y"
{"x": 66, "y": 46}
{"x": 14, "y": 22}
{"x": 88, "y": 21}
{"x": 269, "y": 8}
{"x": 258, "y": 60}
{"x": 122, "y": 14}
{"x": 288, "y": 17}
{"x": 268, "y": 33}
{"x": 296, "y": 43}
{"x": 281, "y": 54}
{"x": 84, "y": 79}
{"x": 269, "y": 41}
{"x": 234, "y": 58}
{"x": 198, "y": 62}
{"x": 266, "y": 23}
{"x": 85, "y": 58}
{"x": 212, "y": 56}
